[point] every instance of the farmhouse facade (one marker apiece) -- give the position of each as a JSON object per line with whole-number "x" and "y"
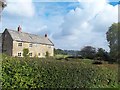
{"x": 13, "y": 43}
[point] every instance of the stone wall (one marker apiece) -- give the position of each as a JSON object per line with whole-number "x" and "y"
{"x": 38, "y": 50}
{"x": 7, "y": 44}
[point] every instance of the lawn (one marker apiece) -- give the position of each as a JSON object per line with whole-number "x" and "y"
{"x": 55, "y": 73}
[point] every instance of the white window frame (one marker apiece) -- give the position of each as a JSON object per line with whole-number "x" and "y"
{"x": 20, "y": 44}
{"x": 35, "y": 45}
{"x": 19, "y": 54}
{"x": 49, "y": 46}
{"x": 30, "y": 45}
{"x": 39, "y": 54}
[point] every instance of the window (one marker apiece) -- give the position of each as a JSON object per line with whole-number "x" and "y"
{"x": 30, "y": 54}
{"x": 38, "y": 54}
{"x": 35, "y": 45}
{"x": 49, "y": 46}
{"x": 30, "y": 45}
{"x": 43, "y": 45}
{"x": 19, "y": 54}
{"x": 19, "y": 44}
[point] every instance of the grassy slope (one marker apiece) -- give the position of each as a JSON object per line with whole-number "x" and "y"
{"x": 52, "y": 73}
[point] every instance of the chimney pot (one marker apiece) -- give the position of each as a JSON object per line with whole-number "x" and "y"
{"x": 19, "y": 28}
{"x": 45, "y": 35}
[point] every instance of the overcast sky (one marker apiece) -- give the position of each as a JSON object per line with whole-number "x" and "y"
{"x": 70, "y": 25}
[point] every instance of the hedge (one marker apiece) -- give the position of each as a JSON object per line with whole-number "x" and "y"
{"x": 51, "y": 73}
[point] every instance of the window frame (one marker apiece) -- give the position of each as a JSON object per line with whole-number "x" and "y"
{"x": 49, "y": 46}
{"x": 39, "y": 54}
{"x": 19, "y": 54}
{"x": 30, "y": 45}
{"x": 35, "y": 45}
{"x": 20, "y": 44}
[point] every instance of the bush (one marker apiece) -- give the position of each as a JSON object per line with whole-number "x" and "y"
{"x": 50, "y": 73}
{"x": 47, "y": 54}
{"x": 97, "y": 62}
{"x": 75, "y": 57}
{"x": 25, "y": 52}
{"x": 60, "y": 58}
{"x": 102, "y": 55}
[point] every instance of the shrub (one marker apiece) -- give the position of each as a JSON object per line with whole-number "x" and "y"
{"x": 47, "y": 54}
{"x": 102, "y": 55}
{"x": 25, "y": 52}
{"x": 59, "y": 58}
{"x": 21, "y": 73}
{"x": 97, "y": 62}
{"x": 74, "y": 57}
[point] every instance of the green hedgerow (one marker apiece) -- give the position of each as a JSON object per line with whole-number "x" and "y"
{"x": 50, "y": 73}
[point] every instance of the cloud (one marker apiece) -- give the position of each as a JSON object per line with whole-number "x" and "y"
{"x": 52, "y": 9}
{"x": 51, "y": 26}
{"x": 20, "y": 7}
{"x": 68, "y": 25}
{"x": 87, "y": 25}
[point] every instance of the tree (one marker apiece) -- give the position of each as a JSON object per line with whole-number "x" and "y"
{"x": 102, "y": 54}
{"x": 113, "y": 37}
{"x": 25, "y": 52}
{"x": 59, "y": 51}
{"x": 88, "y": 52}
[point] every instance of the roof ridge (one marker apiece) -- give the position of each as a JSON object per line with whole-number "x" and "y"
{"x": 25, "y": 32}
{"x": 24, "y": 36}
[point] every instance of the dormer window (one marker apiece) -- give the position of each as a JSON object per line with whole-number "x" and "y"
{"x": 19, "y": 44}
{"x": 30, "y": 45}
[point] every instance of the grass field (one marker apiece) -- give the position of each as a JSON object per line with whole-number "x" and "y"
{"x": 55, "y": 73}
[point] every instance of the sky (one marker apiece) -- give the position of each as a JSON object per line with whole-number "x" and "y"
{"x": 70, "y": 24}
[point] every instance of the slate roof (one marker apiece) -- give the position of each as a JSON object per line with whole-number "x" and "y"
{"x": 2, "y": 1}
{"x": 27, "y": 37}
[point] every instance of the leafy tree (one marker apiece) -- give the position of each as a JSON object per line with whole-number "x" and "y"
{"x": 66, "y": 52}
{"x": 25, "y": 52}
{"x": 113, "y": 37}
{"x": 102, "y": 54}
{"x": 88, "y": 52}
{"x": 59, "y": 51}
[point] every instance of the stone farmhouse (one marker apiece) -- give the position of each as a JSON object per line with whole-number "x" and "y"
{"x": 14, "y": 41}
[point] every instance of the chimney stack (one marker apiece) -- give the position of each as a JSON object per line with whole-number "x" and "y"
{"x": 45, "y": 35}
{"x": 19, "y": 29}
